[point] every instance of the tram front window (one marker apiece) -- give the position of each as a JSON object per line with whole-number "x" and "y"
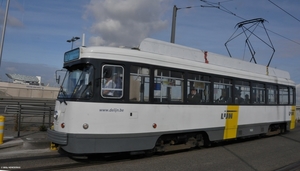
{"x": 78, "y": 83}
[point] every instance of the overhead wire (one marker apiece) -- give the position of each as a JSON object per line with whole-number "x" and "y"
{"x": 284, "y": 10}
{"x": 226, "y": 1}
{"x": 219, "y": 6}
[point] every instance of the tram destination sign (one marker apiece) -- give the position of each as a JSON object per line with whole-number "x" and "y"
{"x": 71, "y": 55}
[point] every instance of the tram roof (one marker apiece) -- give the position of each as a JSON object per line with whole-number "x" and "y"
{"x": 182, "y": 53}
{"x": 170, "y": 49}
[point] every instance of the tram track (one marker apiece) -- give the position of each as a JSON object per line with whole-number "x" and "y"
{"x": 19, "y": 159}
{"x": 287, "y": 135}
{"x": 67, "y": 162}
{"x": 298, "y": 141}
{"x": 80, "y": 162}
{"x": 99, "y": 159}
{"x": 291, "y": 167}
{"x": 64, "y": 162}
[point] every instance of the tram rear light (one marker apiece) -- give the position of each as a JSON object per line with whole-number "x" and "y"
{"x": 62, "y": 125}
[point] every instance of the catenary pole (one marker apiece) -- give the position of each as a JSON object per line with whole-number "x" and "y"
{"x": 3, "y": 30}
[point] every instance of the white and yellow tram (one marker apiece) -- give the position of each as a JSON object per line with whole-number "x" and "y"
{"x": 133, "y": 100}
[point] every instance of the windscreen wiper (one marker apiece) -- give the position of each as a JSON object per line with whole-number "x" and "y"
{"x": 64, "y": 95}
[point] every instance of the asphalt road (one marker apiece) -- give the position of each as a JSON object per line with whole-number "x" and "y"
{"x": 281, "y": 152}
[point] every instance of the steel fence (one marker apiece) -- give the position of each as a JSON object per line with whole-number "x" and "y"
{"x": 28, "y": 111}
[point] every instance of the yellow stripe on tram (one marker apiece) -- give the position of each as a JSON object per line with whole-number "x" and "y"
{"x": 231, "y": 116}
{"x": 293, "y": 117}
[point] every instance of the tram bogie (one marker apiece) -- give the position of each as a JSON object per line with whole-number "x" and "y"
{"x": 175, "y": 142}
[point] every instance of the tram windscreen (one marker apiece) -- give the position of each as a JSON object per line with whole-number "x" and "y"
{"x": 78, "y": 83}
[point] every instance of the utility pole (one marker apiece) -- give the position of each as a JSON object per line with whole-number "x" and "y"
{"x": 3, "y": 30}
{"x": 173, "y": 24}
{"x": 175, "y": 9}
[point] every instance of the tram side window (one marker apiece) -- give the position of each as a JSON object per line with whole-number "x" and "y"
{"x": 242, "y": 92}
{"x": 292, "y": 94}
{"x": 283, "y": 95}
{"x": 272, "y": 94}
{"x": 112, "y": 81}
{"x": 258, "y": 94}
{"x": 168, "y": 86}
{"x": 222, "y": 90}
{"x": 139, "y": 84}
{"x": 200, "y": 85}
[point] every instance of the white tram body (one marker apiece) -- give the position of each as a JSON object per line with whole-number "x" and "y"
{"x": 120, "y": 125}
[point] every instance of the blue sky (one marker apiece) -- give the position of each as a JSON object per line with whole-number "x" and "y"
{"x": 37, "y": 30}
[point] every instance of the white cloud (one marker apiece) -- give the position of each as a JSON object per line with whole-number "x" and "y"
{"x": 96, "y": 40}
{"x": 124, "y": 22}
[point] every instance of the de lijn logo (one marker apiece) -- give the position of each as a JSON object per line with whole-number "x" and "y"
{"x": 228, "y": 114}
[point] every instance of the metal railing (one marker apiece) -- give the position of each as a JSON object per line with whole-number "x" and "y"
{"x": 28, "y": 111}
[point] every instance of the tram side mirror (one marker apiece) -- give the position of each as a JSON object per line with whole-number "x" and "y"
{"x": 57, "y": 75}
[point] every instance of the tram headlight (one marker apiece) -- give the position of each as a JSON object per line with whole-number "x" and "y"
{"x": 85, "y": 126}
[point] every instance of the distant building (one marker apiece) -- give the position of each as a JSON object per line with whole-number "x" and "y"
{"x": 24, "y": 79}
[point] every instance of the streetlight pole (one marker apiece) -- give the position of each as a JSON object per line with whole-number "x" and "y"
{"x": 173, "y": 24}
{"x": 73, "y": 40}
{"x": 3, "y": 30}
{"x": 175, "y": 9}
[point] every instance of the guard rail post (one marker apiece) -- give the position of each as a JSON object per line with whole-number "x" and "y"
{"x": 50, "y": 110}
{"x": 2, "y": 119}
{"x": 44, "y": 113}
{"x": 19, "y": 119}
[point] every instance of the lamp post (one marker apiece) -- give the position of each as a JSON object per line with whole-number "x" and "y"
{"x": 3, "y": 30}
{"x": 175, "y": 9}
{"x": 73, "y": 40}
